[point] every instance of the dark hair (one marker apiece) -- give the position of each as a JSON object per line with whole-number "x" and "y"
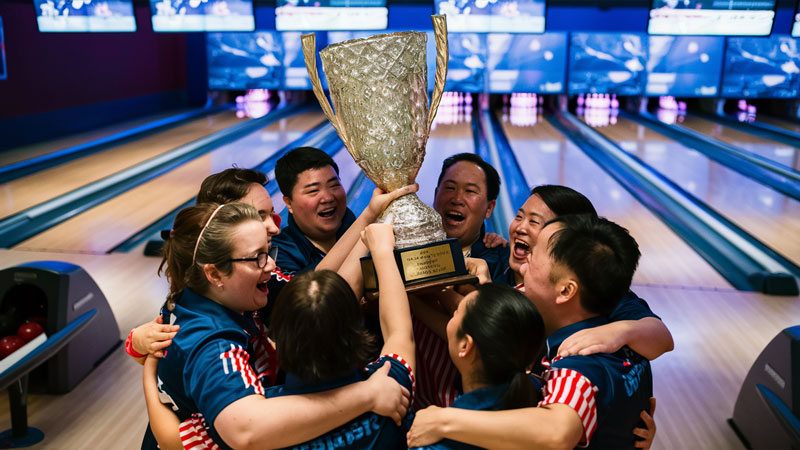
{"x": 297, "y": 161}
{"x": 602, "y": 254}
{"x": 563, "y": 200}
{"x": 492, "y": 178}
{"x": 508, "y": 333}
{"x": 317, "y": 327}
{"x": 230, "y": 185}
{"x": 180, "y": 264}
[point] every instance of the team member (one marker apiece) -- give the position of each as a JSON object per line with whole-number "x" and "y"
{"x": 217, "y": 265}
{"x": 492, "y": 338}
{"x": 317, "y": 205}
{"x": 579, "y": 269}
{"x": 632, "y": 322}
{"x": 333, "y": 344}
{"x": 466, "y": 194}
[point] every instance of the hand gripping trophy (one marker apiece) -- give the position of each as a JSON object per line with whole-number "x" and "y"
{"x": 379, "y": 87}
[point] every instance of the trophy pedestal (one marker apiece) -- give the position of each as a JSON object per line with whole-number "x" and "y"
{"x": 436, "y": 264}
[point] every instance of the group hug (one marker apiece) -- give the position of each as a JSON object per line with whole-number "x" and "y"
{"x": 266, "y": 339}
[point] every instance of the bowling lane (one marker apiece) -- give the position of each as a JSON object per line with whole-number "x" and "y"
{"x": 768, "y": 215}
{"x": 778, "y": 122}
{"x": 105, "y": 226}
{"x": 18, "y": 154}
{"x": 38, "y": 187}
{"x": 548, "y": 157}
{"x": 780, "y": 153}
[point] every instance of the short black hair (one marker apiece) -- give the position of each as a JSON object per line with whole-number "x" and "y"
{"x": 317, "y": 327}
{"x": 297, "y": 161}
{"x": 492, "y": 178}
{"x": 563, "y": 200}
{"x": 230, "y": 185}
{"x": 601, "y": 254}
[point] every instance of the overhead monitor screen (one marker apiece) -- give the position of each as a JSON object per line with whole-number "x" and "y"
{"x": 3, "y": 73}
{"x": 202, "y": 15}
{"x": 85, "y": 16}
{"x": 307, "y": 15}
{"x": 498, "y": 16}
{"x": 611, "y": 63}
{"x": 712, "y": 17}
{"x": 763, "y": 67}
{"x": 466, "y": 69}
{"x": 684, "y": 66}
{"x": 258, "y": 60}
{"x": 527, "y": 62}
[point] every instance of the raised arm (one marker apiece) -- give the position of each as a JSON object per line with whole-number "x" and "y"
{"x": 394, "y": 311}
{"x": 380, "y": 200}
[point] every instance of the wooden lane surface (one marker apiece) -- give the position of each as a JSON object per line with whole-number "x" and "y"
{"x": 105, "y": 226}
{"x": 718, "y": 334}
{"x": 768, "y": 215}
{"x": 38, "y": 187}
{"x": 776, "y": 151}
{"x": 17, "y": 154}
{"x": 548, "y": 157}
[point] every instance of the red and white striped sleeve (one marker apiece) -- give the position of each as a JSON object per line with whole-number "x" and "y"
{"x": 576, "y": 391}
{"x": 194, "y": 434}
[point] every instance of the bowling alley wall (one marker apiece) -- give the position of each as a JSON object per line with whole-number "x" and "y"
{"x": 61, "y": 83}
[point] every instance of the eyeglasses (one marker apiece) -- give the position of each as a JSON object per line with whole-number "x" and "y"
{"x": 261, "y": 258}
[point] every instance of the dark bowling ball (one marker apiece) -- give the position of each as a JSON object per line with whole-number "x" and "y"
{"x": 28, "y": 331}
{"x": 9, "y": 345}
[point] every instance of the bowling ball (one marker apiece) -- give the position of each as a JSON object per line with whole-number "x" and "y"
{"x": 29, "y": 330}
{"x": 9, "y": 345}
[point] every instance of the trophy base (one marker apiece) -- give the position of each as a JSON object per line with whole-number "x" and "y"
{"x": 427, "y": 266}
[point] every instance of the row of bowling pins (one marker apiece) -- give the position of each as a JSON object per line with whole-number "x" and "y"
{"x": 598, "y": 101}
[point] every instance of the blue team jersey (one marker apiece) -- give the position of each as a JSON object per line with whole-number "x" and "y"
{"x": 367, "y": 431}
{"x": 496, "y": 258}
{"x": 621, "y": 387}
{"x": 297, "y": 253}
{"x": 210, "y": 363}
{"x": 484, "y": 399}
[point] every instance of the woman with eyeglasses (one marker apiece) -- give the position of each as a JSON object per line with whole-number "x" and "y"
{"x": 217, "y": 264}
{"x": 248, "y": 186}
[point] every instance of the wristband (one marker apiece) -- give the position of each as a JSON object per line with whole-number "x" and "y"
{"x": 129, "y": 347}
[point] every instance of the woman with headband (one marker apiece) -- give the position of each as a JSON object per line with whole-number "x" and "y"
{"x": 217, "y": 263}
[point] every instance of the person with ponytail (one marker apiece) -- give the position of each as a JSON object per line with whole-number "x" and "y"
{"x": 493, "y": 337}
{"x": 213, "y": 374}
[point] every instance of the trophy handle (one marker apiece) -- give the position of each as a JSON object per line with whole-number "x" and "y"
{"x": 442, "y": 55}
{"x": 309, "y": 42}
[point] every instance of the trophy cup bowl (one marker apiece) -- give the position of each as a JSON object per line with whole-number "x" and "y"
{"x": 379, "y": 89}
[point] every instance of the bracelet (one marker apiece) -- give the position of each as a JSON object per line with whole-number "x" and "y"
{"x": 129, "y": 347}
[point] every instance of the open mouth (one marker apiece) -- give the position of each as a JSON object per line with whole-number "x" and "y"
{"x": 454, "y": 218}
{"x": 262, "y": 286}
{"x": 521, "y": 249}
{"x": 326, "y": 213}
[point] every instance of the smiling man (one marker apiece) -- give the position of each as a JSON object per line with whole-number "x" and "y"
{"x": 465, "y": 195}
{"x": 317, "y": 204}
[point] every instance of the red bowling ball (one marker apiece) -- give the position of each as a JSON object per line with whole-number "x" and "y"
{"x": 10, "y": 344}
{"x": 29, "y": 330}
